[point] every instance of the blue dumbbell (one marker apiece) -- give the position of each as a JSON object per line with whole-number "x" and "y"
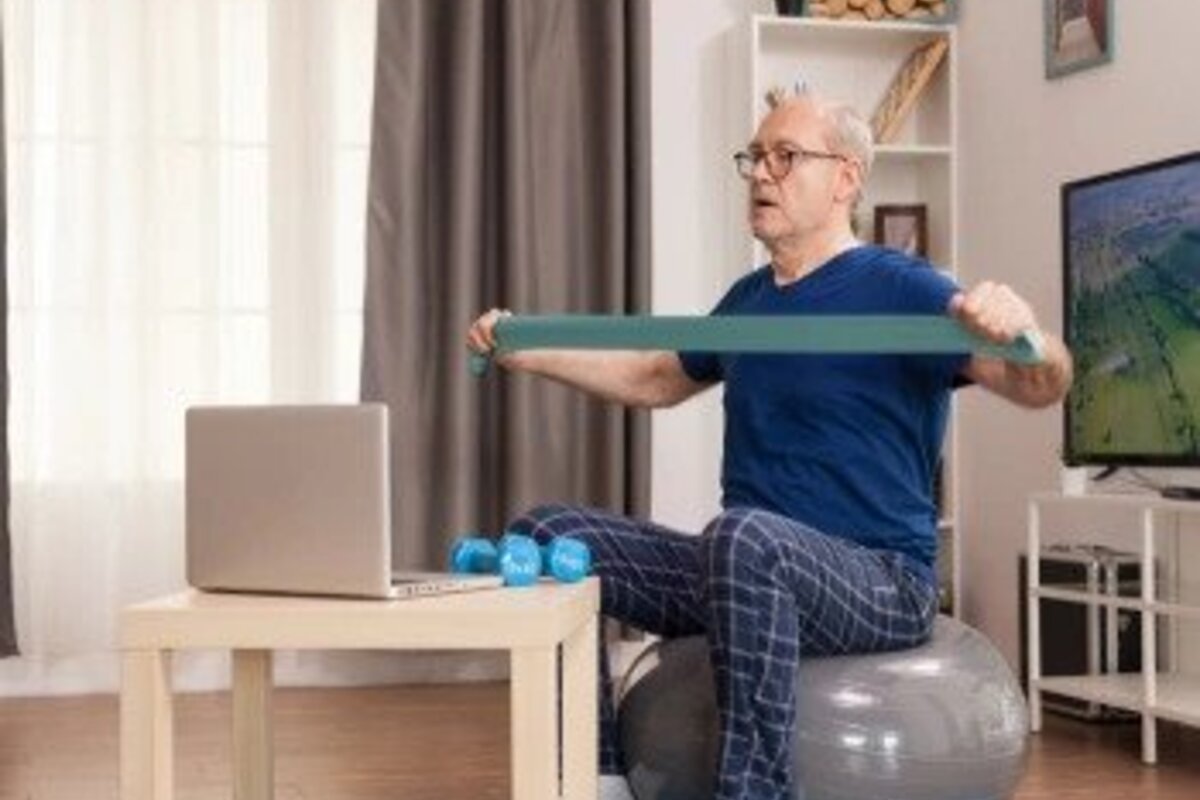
{"x": 515, "y": 558}
{"x": 520, "y": 560}
{"x": 474, "y": 555}
{"x": 566, "y": 559}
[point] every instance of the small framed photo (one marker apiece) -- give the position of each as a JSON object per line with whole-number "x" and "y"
{"x": 1079, "y": 35}
{"x": 903, "y": 228}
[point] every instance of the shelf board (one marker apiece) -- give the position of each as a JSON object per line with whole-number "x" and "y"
{"x": 775, "y": 22}
{"x": 1131, "y": 501}
{"x": 913, "y": 151}
{"x": 1088, "y": 598}
{"x": 1168, "y": 608}
{"x": 1176, "y": 606}
{"x": 1178, "y": 695}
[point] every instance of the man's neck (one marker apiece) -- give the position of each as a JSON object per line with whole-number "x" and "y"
{"x": 793, "y": 259}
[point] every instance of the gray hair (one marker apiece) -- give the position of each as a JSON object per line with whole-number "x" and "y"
{"x": 848, "y": 133}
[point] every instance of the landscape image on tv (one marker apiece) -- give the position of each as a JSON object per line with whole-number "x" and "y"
{"x": 1132, "y": 259}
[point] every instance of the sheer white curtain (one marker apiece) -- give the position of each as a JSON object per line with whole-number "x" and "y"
{"x": 187, "y": 188}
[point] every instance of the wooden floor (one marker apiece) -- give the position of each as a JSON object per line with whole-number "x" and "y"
{"x": 437, "y": 743}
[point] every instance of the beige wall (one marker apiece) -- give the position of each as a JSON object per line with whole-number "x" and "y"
{"x": 1022, "y": 136}
{"x": 691, "y": 151}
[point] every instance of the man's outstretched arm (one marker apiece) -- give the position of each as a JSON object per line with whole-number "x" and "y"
{"x": 653, "y": 379}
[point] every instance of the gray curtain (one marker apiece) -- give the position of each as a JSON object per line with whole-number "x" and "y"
{"x": 509, "y": 168}
{"x": 8, "y": 634}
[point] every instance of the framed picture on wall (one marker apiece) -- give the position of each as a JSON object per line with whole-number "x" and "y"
{"x": 1079, "y": 35}
{"x": 903, "y": 228}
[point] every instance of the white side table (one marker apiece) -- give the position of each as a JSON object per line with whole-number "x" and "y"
{"x": 1154, "y": 693}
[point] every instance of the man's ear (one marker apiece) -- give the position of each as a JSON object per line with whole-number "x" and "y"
{"x": 849, "y": 183}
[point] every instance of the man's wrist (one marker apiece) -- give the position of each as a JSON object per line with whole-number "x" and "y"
{"x": 514, "y": 361}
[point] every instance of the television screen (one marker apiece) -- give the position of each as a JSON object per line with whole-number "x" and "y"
{"x": 1131, "y": 295}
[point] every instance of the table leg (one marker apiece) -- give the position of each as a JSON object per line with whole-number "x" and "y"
{"x": 581, "y": 758}
{"x": 147, "y": 740}
{"x": 1149, "y": 642}
{"x": 253, "y": 746}
{"x": 534, "y": 723}
{"x": 1033, "y": 578}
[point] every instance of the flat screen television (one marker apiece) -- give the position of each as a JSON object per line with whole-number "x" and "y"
{"x": 1131, "y": 315}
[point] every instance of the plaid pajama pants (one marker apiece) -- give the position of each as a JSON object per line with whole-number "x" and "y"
{"x": 766, "y": 591}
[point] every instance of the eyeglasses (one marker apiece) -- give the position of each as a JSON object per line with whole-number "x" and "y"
{"x": 779, "y": 161}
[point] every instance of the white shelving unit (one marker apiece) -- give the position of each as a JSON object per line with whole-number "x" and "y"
{"x": 855, "y": 62}
{"x": 1153, "y": 694}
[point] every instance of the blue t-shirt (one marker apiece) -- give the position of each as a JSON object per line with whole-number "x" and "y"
{"x": 846, "y": 444}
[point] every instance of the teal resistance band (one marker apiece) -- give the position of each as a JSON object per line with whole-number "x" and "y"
{"x": 754, "y": 334}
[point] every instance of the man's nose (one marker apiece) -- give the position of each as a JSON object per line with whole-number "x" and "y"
{"x": 759, "y": 172}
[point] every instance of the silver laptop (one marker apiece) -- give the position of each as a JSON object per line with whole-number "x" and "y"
{"x": 295, "y": 500}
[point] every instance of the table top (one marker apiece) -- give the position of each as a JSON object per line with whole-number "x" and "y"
{"x": 537, "y": 616}
{"x": 1133, "y": 501}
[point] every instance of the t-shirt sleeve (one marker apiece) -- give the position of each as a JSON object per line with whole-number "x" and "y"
{"x": 701, "y": 367}
{"x": 929, "y": 291}
{"x": 704, "y": 367}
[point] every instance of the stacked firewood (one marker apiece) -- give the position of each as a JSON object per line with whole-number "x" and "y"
{"x": 877, "y": 9}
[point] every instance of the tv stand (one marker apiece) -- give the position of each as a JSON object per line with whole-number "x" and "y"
{"x": 1155, "y": 694}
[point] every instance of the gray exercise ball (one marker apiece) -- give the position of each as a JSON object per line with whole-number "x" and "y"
{"x": 943, "y": 721}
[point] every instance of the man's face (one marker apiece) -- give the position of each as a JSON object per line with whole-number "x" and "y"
{"x": 813, "y": 192}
